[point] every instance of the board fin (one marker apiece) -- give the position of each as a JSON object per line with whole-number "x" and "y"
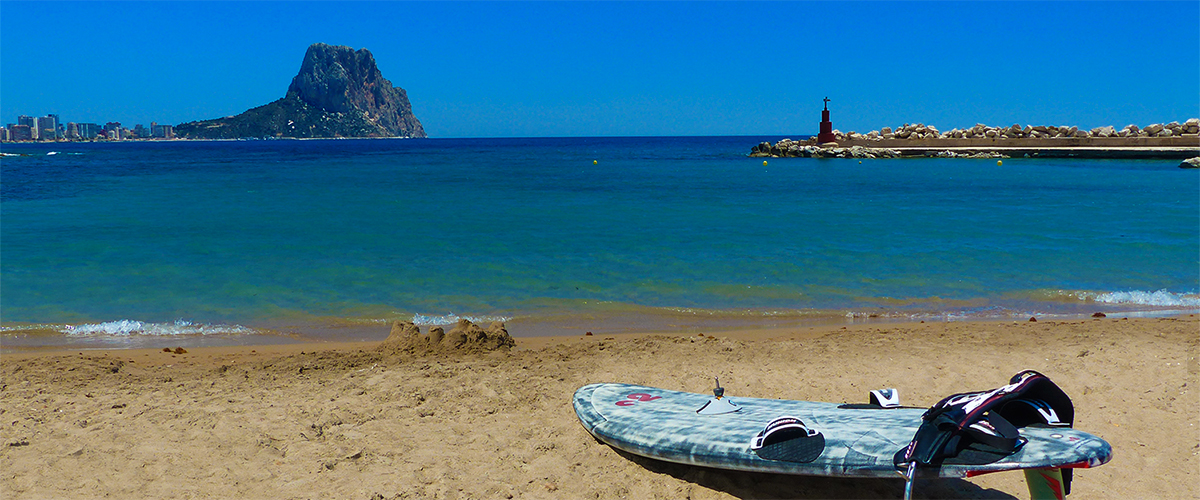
{"x": 718, "y": 405}
{"x": 886, "y": 398}
{"x": 1045, "y": 484}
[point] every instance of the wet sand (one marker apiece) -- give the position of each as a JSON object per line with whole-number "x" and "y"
{"x": 357, "y": 420}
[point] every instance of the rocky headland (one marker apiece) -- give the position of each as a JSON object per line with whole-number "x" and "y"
{"x": 339, "y": 92}
{"x": 1171, "y": 140}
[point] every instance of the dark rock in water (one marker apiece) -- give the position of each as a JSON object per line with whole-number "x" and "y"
{"x": 339, "y": 92}
{"x": 1099, "y": 315}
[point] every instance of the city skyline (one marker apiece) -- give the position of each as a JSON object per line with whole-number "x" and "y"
{"x": 51, "y": 128}
{"x": 579, "y": 68}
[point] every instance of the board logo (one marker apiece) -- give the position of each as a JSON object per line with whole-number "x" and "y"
{"x": 636, "y": 397}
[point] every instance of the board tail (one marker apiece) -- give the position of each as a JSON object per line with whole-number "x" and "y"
{"x": 1045, "y": 484}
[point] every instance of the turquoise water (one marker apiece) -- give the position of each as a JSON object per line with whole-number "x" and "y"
{"x": 129, "y": 244}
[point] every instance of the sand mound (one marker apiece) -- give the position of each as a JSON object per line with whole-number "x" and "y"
{"x": 406, "y": 338}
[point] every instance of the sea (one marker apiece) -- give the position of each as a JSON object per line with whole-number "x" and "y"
{"x": 204, "y": 243}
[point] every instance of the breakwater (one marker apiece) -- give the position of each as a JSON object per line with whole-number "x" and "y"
{"x": 1172, "y": 140}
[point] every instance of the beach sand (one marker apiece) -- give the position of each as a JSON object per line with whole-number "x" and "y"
{"x": 357, "y": 421}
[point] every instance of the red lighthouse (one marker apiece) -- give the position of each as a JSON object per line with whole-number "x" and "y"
{"x": 826, "y": 134}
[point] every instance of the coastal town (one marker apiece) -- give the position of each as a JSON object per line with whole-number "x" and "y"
{"x": 50, "y": 128}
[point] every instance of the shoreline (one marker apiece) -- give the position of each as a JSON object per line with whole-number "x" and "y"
{"x": 42, "y": 338}
{"x": 369, "y": 420}
{"x": 743, "y": 333}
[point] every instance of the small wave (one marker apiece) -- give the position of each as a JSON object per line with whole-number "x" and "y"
{"x": 125, "y": 328}
{"x": 52, "y": 153}
{"x": 1151, "y": 299}
{"x": 1160, "y": 298}
{"x": 450, "y": 319}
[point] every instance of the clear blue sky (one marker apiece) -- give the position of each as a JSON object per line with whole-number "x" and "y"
{"x": 579, "y": 69}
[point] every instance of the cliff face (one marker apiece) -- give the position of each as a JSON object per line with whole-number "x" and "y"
{"x": 339, "y": 92}
{"x": 342, "y": 80}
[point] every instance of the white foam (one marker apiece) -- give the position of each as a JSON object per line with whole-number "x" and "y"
{"x": 125, "y": 328}
{"x": 1160, "y": 298}
{"x": 450, "y": 319}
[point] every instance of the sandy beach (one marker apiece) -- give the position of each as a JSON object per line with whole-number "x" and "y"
{"x": 368, "y": 421}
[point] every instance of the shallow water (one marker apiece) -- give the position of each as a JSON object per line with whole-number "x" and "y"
{"x": 129, "y": 243}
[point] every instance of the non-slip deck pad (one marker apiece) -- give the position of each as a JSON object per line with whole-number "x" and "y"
{"x": 663, "y": 424}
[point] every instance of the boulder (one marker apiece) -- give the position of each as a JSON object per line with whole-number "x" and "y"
{"x": 1190, "y": 163}
{"x": 1153, "y": 129}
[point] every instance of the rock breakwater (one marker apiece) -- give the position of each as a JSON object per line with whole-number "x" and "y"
{"x": 980, "y": 131}
{"x": 1170, "y": 140}
{"x": 802, "y": 149}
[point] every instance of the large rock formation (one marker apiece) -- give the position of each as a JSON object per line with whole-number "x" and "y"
{"x": 339, "y": 92}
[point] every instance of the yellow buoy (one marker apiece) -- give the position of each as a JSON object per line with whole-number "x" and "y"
{"x": 764, "y": 163}
{"x": 595, "y": 162}
{"x": 998, "y": 163}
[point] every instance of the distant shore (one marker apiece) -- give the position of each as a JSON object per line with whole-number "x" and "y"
{"x": 186, "y": 139}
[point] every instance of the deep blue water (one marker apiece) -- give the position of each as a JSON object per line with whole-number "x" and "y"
{"x": 119, "y": 242}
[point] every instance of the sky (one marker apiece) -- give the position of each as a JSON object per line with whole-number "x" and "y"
{"x": 559, "y": 69}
